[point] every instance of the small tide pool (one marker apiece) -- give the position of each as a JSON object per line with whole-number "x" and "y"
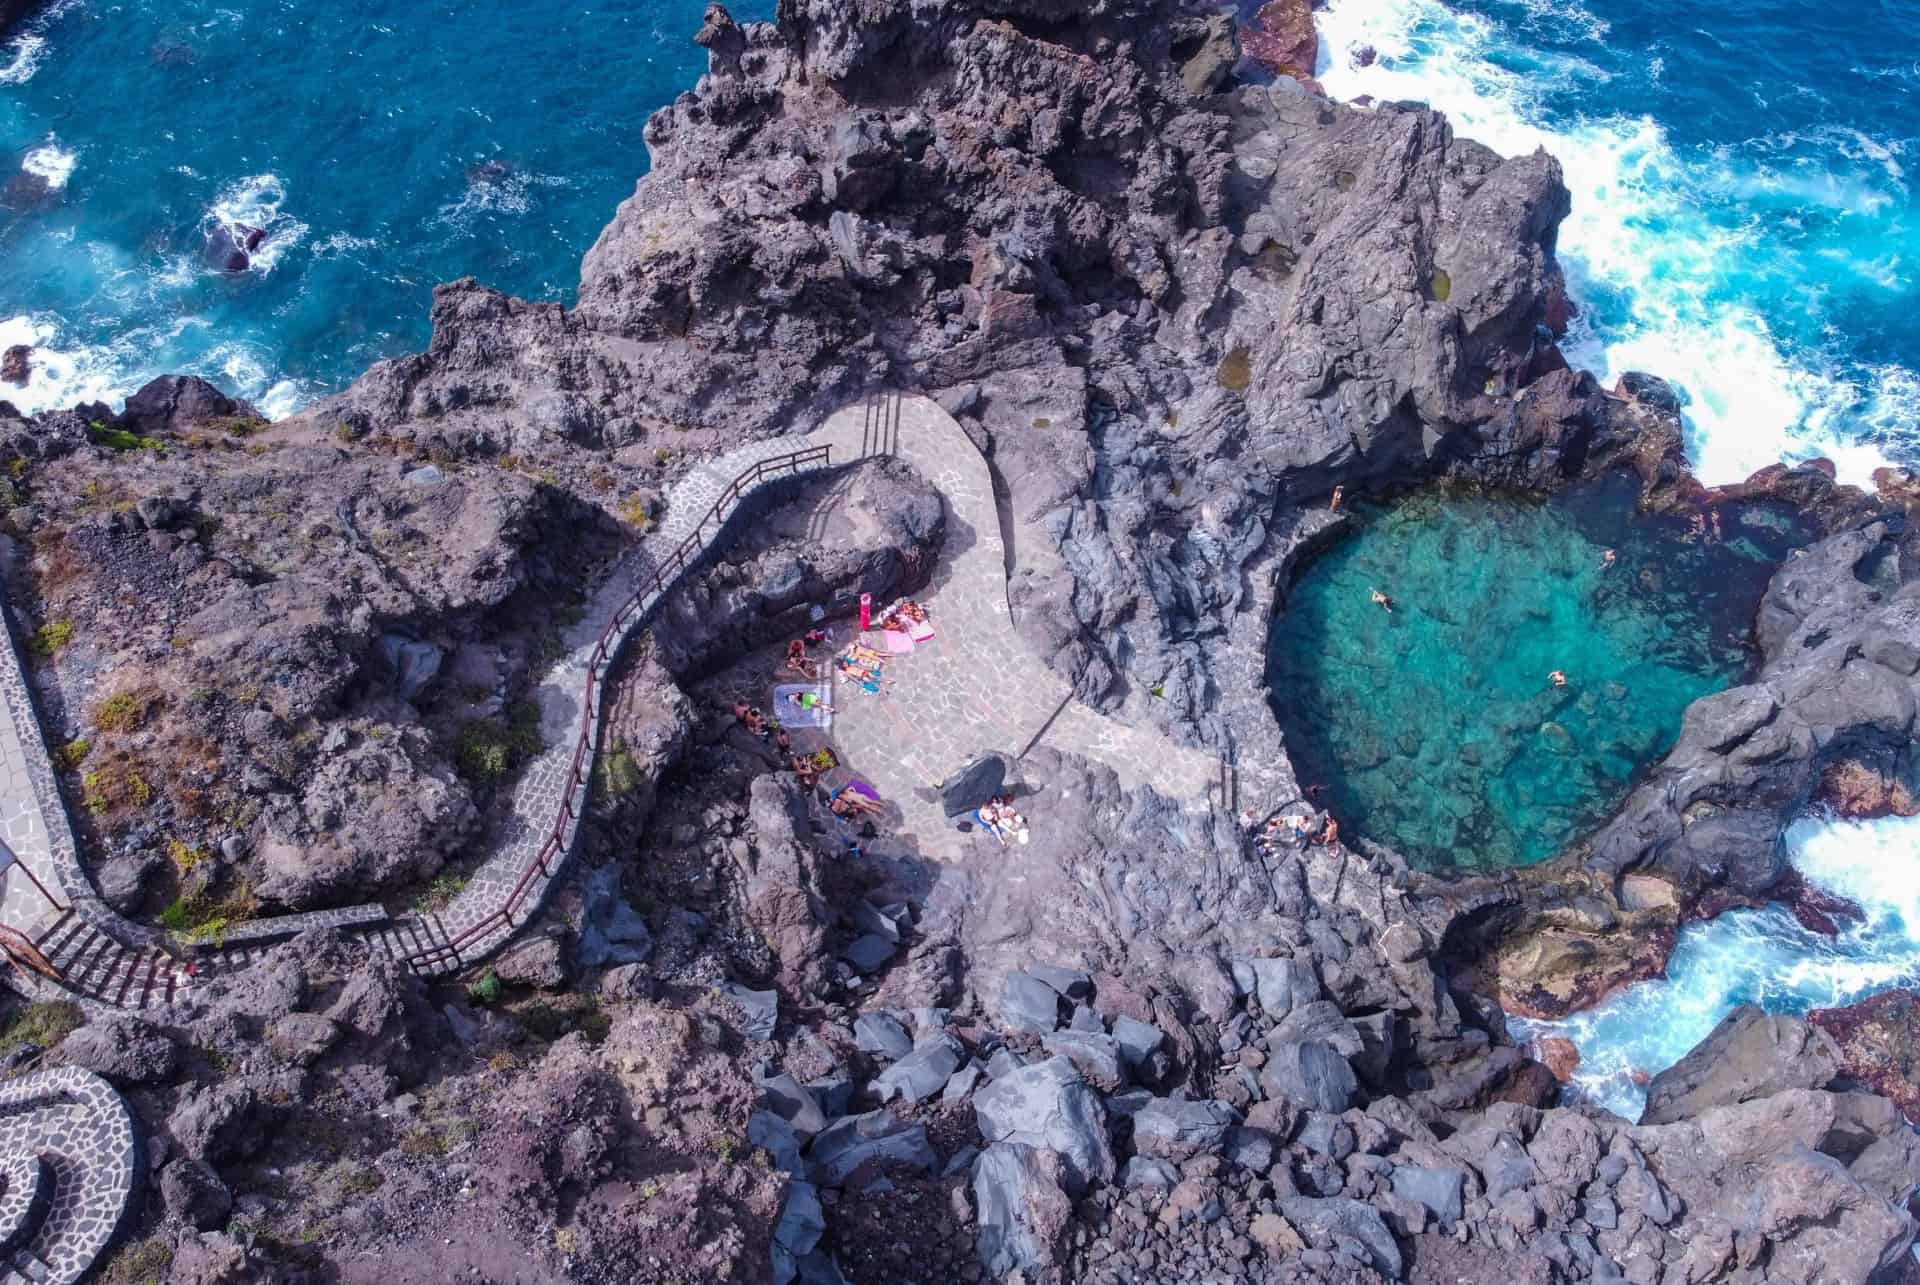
{"x": 1435, "y": 727}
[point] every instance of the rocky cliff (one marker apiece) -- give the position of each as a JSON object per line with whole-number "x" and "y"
{"x": 1175, "y": 310}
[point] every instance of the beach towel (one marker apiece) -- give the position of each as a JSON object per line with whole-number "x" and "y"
{"x": 793, "y": 715}
{"x": 920, "y": 630}
{"x": 897, "y": 642}
{"x": 859, "y": 786}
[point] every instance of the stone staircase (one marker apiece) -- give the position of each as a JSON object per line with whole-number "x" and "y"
{"x": 90, "y": 962}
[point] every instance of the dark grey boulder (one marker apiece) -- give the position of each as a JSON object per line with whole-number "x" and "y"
{"x": 802, "y": 1223}
{"x": 1004, "y": 1061}
{"x": 1145, "y": 1171}
{"x": 1066, "y": 982}
{"x": 1318, "y": 1020}
{"x": 877, "y": 1137}
{"x": 882, "y": 1034}
{"x": 1442, "y": 1191}
{"x": 1326, "y": 1135}
{"x": 778, "y": 1139}
{"x": 1378, "y": 1043}
{"x": 1097, "y": 1056}
{"x": 1322, "y": 1221}
{"x": 1251, "y": 1149}
{"x": 1311, "y": 1075}
{"x": 125, "y": 880}
{"x": 1281, "y": 985}
{"x": 1050, "y": 1105}
{"x": 301, "y": 1038}
{"x": 1180, "y": 1131}
{"x": 1750, "y": 1054}
{"x": 869, "y": 954}
{"x": 793, "y": 1102}
{"x": 126, "y": 1050}
{"x": 923, "y": 1072}
{"x": 1022, "y": 1211}
{"x": 1085, "y": 1019}
{"x": 961, "y": 1083}
{"x": 1138, "y": 1041}
{"x": 1029, "y": 1004}
{"x": 760, "y": 1010}
{"x": 195, "y": 1195}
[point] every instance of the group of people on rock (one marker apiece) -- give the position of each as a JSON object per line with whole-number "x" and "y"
{"x": 1297, "y": 830}
{"x": 999, "y": 818}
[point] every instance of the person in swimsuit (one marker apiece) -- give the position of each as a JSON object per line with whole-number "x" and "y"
{"x": 809, "y": 701}
{"x": 797, "y": 661}
{"x": 1558, "y": 678}
{"x": 1381, "y": 598}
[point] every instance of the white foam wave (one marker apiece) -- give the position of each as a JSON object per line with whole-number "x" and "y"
{"x": 60, "y": 376}
{"x": 1655, "y": 250}
{"x": 511, "y": 193}
{"x": 23, "y": 54}
{"x": 1762, "y": 957}
{"x": 51, "y": 164}
{"x": 255, "y": 202}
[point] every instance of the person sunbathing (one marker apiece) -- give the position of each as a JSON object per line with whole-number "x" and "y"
{"x": 867, "y": 676}
{"x": 755, "y": 721}
{"x": 865, "y": 655}
{"x": 797, "y": 661}
{"x": 808, "y": 702}
{"x": 848, "y": 802}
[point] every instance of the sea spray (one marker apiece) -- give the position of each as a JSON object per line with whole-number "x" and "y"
{"x": 1738, "y": 266}
{"x": 1760, "y": 957}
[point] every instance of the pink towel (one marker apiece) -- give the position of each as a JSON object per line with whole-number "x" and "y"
{"x": 921, "y": 631}
{"x": 897, "y": 642}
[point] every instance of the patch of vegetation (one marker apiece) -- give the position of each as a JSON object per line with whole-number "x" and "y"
{"x": 566, "y": 1240}
{"x": 43, "y": 1025}
{"x": 485, "y": 990}
{"x": 423, "y": 1143}
{"x": 185, "y": 856}
{"x": 354, "y": 1179}
{"x": 71, "y": 755}
{"x": 116, "y": 784}
{"x": 550, "y": 1019}
{"x": 145, "y": 1262}
{"x": 50, "y": 637}
{"x": 119, "y": 439}
{"x": 199, "y": 918}
{"x": 725, "y": 1146}
{"x": 636, "y": 511}
{"x": 502, "y": 1061}
{"x": 1439, "y": 286}
{"x": 486, "y": 749}
{"x": 1042, "y": 422}
{"x": 124, "y": 711}
{"x": 444, "y": 888}
{"x": 1236, "y": 370}
{"x": 345, "y": 433}
{"x": 619, "y": 774}
{"x": 238, "y": 425}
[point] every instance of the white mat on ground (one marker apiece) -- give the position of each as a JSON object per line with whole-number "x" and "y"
{"x": 789, "y": 713}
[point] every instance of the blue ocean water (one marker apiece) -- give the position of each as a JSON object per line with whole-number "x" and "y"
{"x": 383, "y": 146}
{"x": 1744, "y": 222}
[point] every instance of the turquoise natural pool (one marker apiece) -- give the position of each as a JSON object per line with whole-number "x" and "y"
{"x": 1434, "y": 728}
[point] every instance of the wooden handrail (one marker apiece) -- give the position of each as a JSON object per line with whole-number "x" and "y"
{"x": 661, "y": 578}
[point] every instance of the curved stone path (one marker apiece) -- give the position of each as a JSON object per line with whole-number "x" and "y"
{"x": 976, "y": 689}
{"x": 69, "y": 1173}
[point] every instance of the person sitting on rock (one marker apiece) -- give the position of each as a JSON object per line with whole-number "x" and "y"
{"x": 1330, "y": 835}
{"x": 804, "y": 768}
{"x": 1380, "y": 598}
{"x": 755, "y": 721}
{"x": 797, "y": 661}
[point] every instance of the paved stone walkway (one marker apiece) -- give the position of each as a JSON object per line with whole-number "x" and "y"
{"x": 68, "y": 1174}
{"x": 975, "y": 689}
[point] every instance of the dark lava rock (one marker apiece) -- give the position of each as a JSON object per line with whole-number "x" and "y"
{"x": 1750, "y": 1054}
{"x": 921, "y": 1073}
{"x": 1051, "y": 1106}
{"x": 611, "y": 930}
{"x": 195, "y": 1195}
{"x": 882, "y": 1033}
{"x": 1180, "y": 1131}
{"x": 1440, "y": 1190}
{"x": 16, "y": 365}
{"x": 1311, "y": 1075}
{"x": 1322, "y": 1221}
{"x": 1023, "y": 1212}
{"x": 173, "y": 403}
{"x": 126, "y": 1050}
{"x": 1029, "y": 1004}
{"x": 877, "y": 1137}
{"x": 301, "y": 1038}
{"x": 761, "y": 1009}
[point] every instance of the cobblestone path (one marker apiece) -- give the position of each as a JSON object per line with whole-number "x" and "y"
{"x": 68, "y": 1166}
